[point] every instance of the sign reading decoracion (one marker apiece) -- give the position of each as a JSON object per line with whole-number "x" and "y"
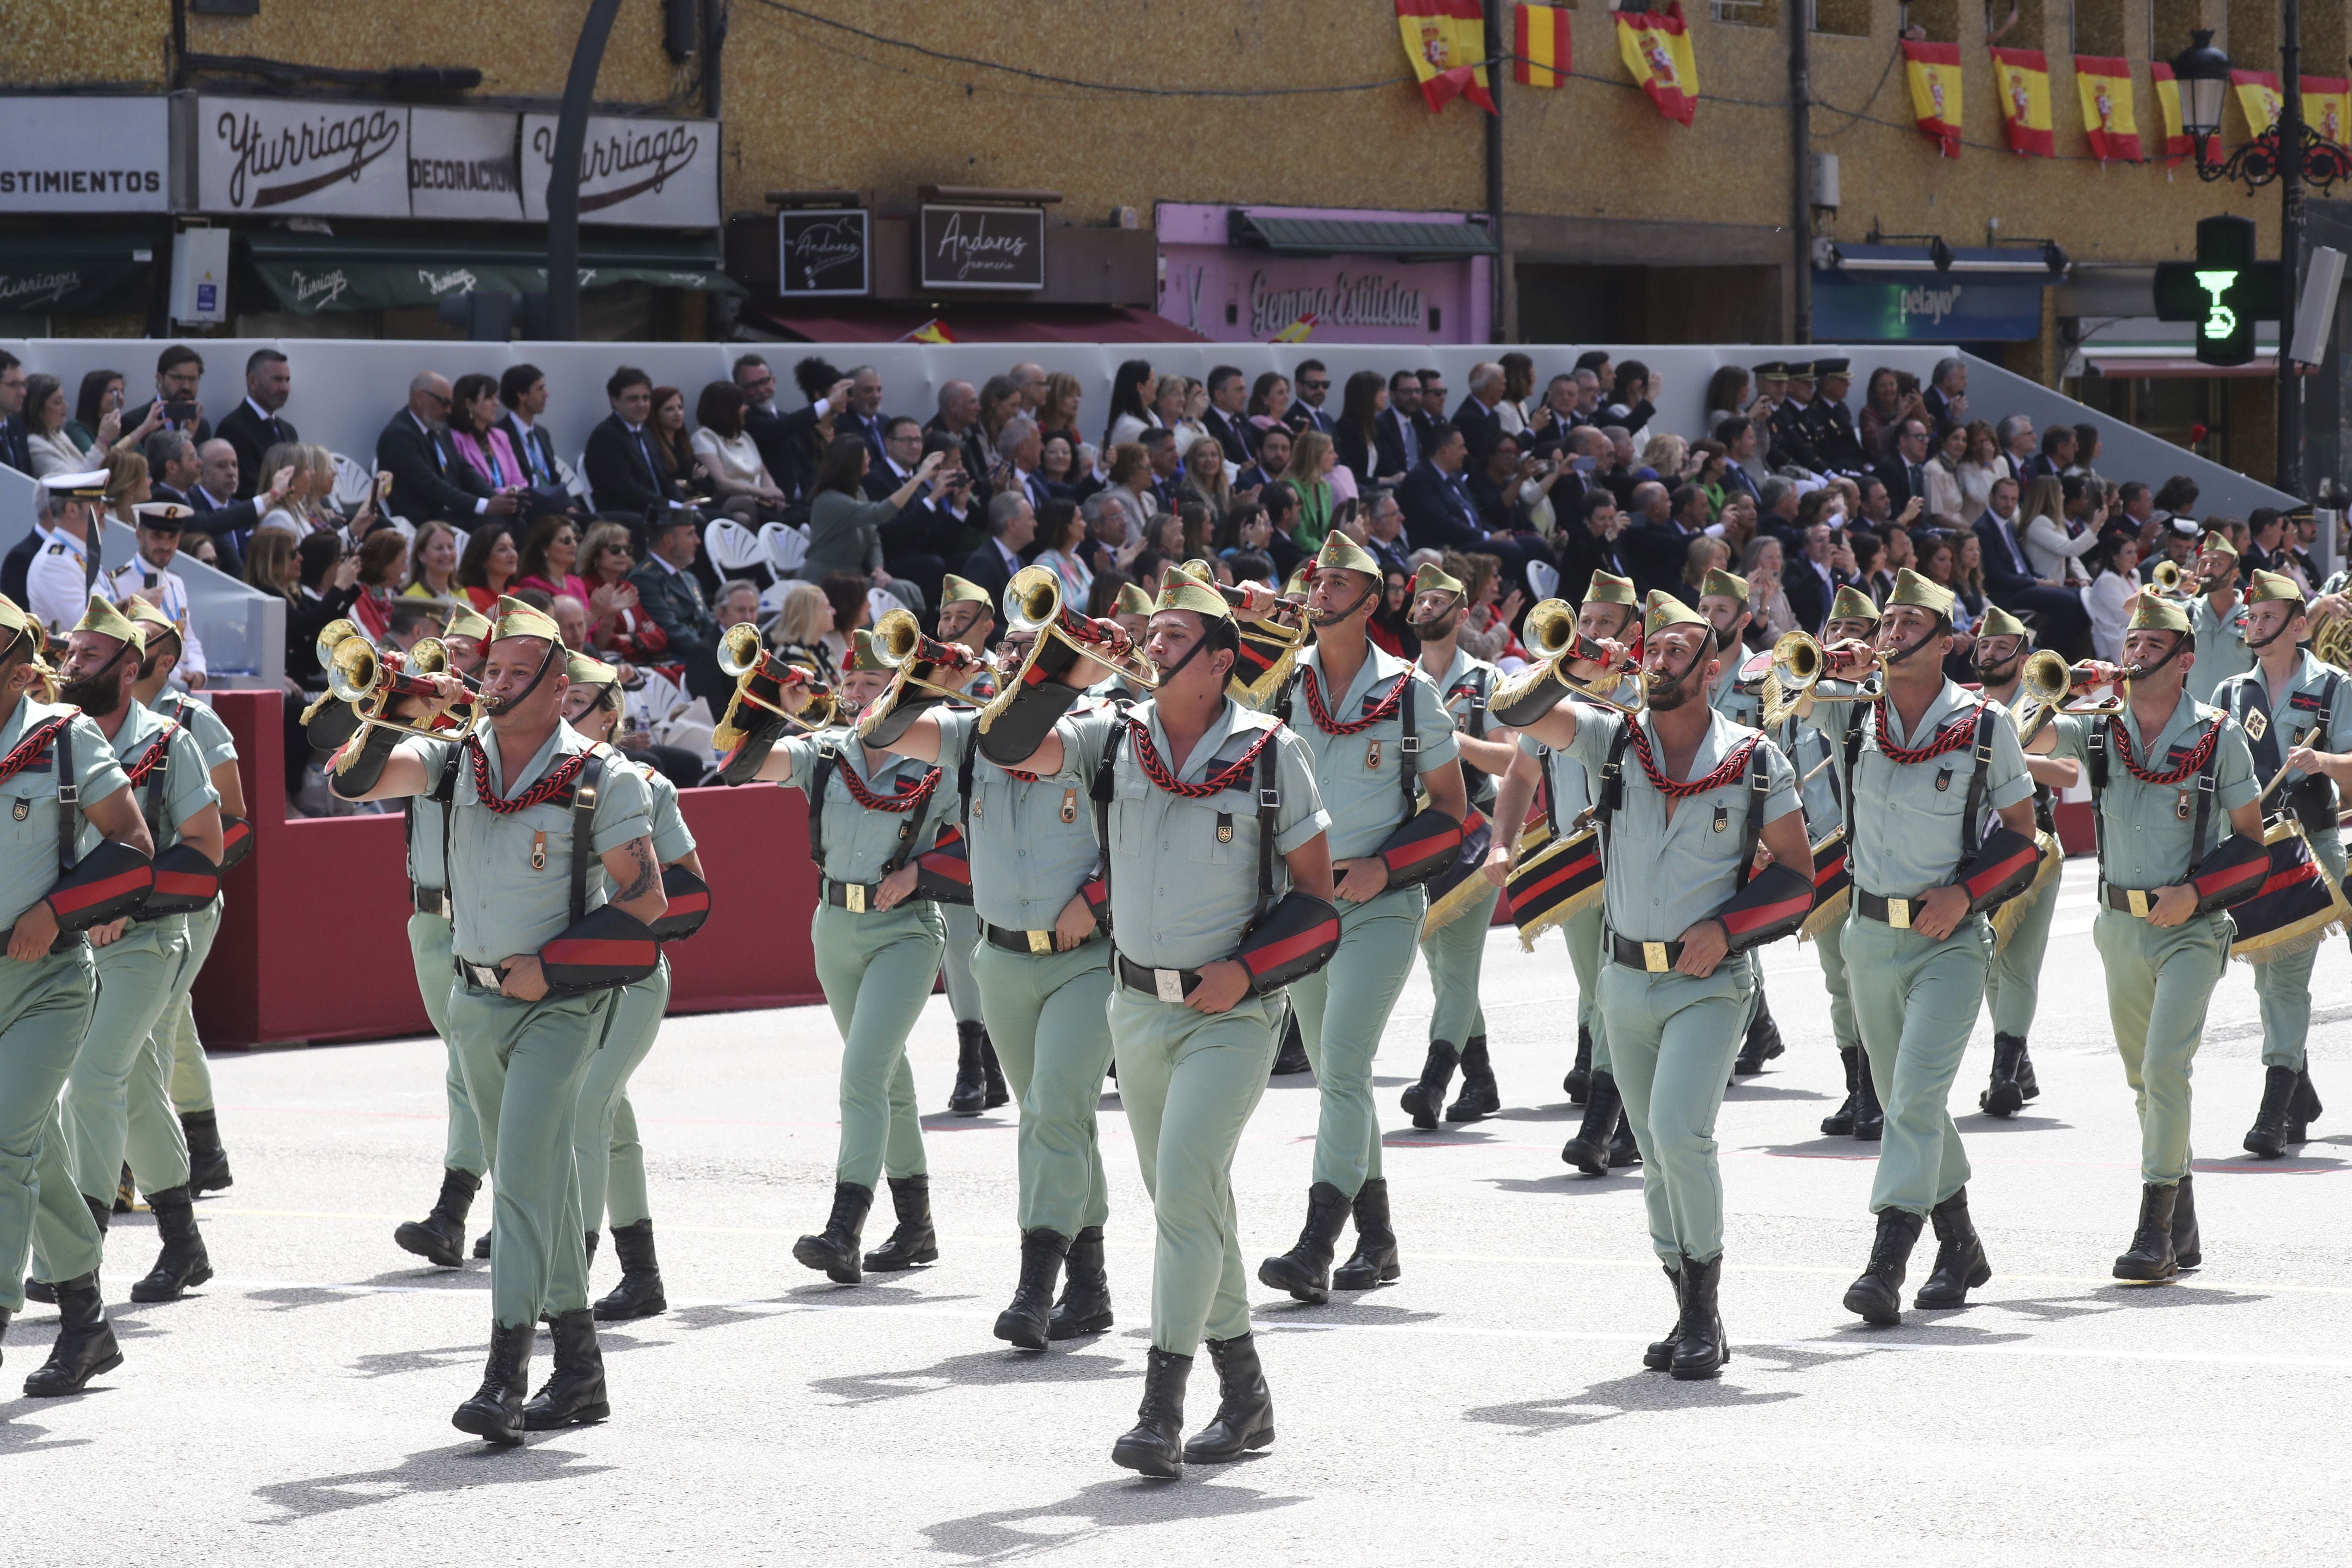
{"x": 983, "y": 247}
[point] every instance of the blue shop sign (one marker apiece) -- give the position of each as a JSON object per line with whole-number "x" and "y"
{"x": 1945, "y": 309}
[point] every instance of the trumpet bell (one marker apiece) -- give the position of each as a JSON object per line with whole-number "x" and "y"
{"x": 2046, "y": 678}
{"x": 1033, "y": 600}
{"x": 332, "y": 636}
{"x": 739, "y": 649}
{"x": 353, "y": 670}
{"x": 1034, "y": 609}
{"x": 1550, "y": 627}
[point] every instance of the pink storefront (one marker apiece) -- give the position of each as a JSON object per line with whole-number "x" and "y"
{"x": 1247, "y": 274}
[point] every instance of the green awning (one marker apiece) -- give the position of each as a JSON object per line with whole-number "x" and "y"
{"x": 71, "y": 274}
{"x": 311, "y": 274}
{"x": 1360, "y": 237}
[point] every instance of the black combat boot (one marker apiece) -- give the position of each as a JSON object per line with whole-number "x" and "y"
{"x": 85, "y": 1346}
{"x": 126, "y": 1192}
{"x": 1624, "y": 1153}
{"x": 1700, "y": 1349}
{"x": 2305, "y": 1109}
{"x": 1839, "y": 1123}
{"x": 1661, "y": 1354}
{"x": 1763, "y": 1038}
{"x": 1479, "y": 1098}
{"x": 1425, "y": 1097}
{"x": 1374, "y": 1261}
{"x": 1305, "y": 1269}
{"x": 207, "y": 1161}
{"x": 1960, "y": 1262}
{"x": 588, "y": 1245}
{"x": 1244, "y": 1417}
{"x": 1579, "y": 1081}
{"x": 2267, "y": 1139}
{"x": 1085, "y": 1306}
{"x": 992, "y": 1074}
{"x": 482, "y": 1246}
{"x": 970, "y": 1091}
{"x": 2188, "y": 1246}
{"x": 1290, "y": 1058}
{"x": 495, "y": 1413}
{"x": 1154, "y": 1445}
{"x": 913, "y": 1241}
{"x": 2025, "y": 1081}
{"x": 1869, "y": 1116}
{"x": 1588, "y": 1150}
{"x": 573, "y": 1394}
{"x": 1028, "y": 1320}
{"x": 181, "y": 1263}
{"x": 2004, "y": 1096}
{"x": 440, "y": 1237}
{"x": 1877, "y": 1296}
{"x": 639, "y": 1293}
{"x": 2151, "y": 1256}
{"x": 833, "y": 1251}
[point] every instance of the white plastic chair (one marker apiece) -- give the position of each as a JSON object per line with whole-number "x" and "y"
{"x": 786, "y": 546}
{"x": 733, "y": 548}
{"x": 1544, "y": 578}
{"x": 570, "y": 475}
{"x": 352, "y": 481}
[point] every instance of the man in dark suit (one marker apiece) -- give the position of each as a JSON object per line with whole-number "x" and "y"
{"x": 213, "y": 496}
{"x": 781, "y": 437}
{"x": 1396, "y": 430}
{"x": 622, "y": 474}
{"x": 1273, "y": 457}
{"x": 1439, "y": 513}
{"x": 1012, "y": 524}
{"x": 1738, "y": 434}
{"x": 1225, "y": 418}
{"x": 862, "y": 414}
{"x": 253, "y": 427}
{"x": 1905, "y": 473}
{"x": 179, "y": 376}
{"x": 667, "y": 592}
{"x": 2015, "y": 435}
{"x": 1384, "y": 530}
{"x": 2060, "y": 620}
{"x": 930, "y": 529}
{"x": 1811, "y": 577}
{"x": 523, "y": 388}
{"x": 958, "y": 416}
{"x": 2057, "y": 454}
{"x": 1309, "y": 387}
{"x": 429, "y": 479}
{"x": 1946, "y": 398}
{"x": 1281, "y": 503}
{"x": 14, "y": 449}
{"x": 1477, "y": 419}
{"x": 1776, "y": 515}
{"x": 1656, "y": 548}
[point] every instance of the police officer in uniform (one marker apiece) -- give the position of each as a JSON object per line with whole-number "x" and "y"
{"x": 2218, "y": 618}
{"x": 1925, "y": 761}
{"x": 1211, "y": 829}
{"x": 1854, "y": 615}
{"x": 1792, "y": 422}
{"x": 1456, "y": 951}
{"x": 2169, "y": 777}
{"x": 1378, "y": 734}
{"x": 54, "y": 763}
{"x": 1830, "y": 423}
{"x": 530, "y": 789}
{"x": 968, "y": 615}
{"x": 1680, "y": 826}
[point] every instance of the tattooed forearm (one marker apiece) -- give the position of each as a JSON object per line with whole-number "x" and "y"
{"x": 644, "y": 875}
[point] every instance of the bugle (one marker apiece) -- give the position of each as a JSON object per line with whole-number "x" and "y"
{"x": 375, "y": 683}
{"x": 1549, "y": 633}
{"x": 1799, "y": 663}
{"x": 2047, "y": 685}
{"x": 901, "y": 642}
{"x": 1034, "y": 611}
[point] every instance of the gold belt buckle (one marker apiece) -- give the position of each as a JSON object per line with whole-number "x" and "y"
{"x": 1898, "y": 913}
{"x": 1041, "y": 943}
{"x": 853, "y": 896}
{"x": 1654, "y": 958}
{"x": 2137, "y": 899}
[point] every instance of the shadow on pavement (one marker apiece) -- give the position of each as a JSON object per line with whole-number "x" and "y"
{"x": 1572, "y": 1182}
{"x": 393, "y": 1364}
{"x": 982, "y": 1369}
{"x": 1822, "y": 1148}
{"x": 1978, "y": 1121}
{"x": 1339, "y": 1312}
{"x": 1643, "y": 1393}
{"x": 1004, "y": 1535}
{"x": 22, "y": 1437}
{"x": 2124, "y": 1297}
{"x": 2293, "y": 1165}
{"x": 1749, "y": 1089}
{"x": 455, "y": 1468}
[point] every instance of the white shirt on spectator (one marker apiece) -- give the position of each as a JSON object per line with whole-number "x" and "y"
{"x": 57, "y": 584}
{"x": 168, "y": 592}
{"x": 2054, "y": 555}
{"x": 1127, "y": 427}
{"x": 2108, "y": 603}
{"x": 735, "y": 465}
{"x": 56, "y": 453}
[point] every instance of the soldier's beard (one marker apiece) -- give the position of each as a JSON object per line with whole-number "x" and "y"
{"x": 97, "y": 695}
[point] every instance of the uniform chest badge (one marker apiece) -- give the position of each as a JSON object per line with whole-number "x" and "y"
{"x": 1372, "y": 756}
{"x": 22, "y": 809}
{"x": 2180, "y": 806}
{"x": 1069, "y": 805}
{"x": 1943, "y": 780}
{"x": 2256, "y": 726}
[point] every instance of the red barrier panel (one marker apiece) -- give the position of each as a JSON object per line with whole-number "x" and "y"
{"x": 313, "y": 940}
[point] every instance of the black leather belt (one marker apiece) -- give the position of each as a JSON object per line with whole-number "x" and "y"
{"x": 1168, "y": 985}
{"x": 1896, "y": 912}
{"x": 1037, "y": 943}
{"x": 1649, "y": 957}
{"x": 2134, "y": 901}
{"x": 857, "y": 897}
{"x": 429, "y": 900}
{"x": 481, "y": 976}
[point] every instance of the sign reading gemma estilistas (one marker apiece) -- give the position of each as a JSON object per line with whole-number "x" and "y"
{"x": 824, "y": 250}
{"x": 983, "y": 247}
{"x": 84, "y": 155}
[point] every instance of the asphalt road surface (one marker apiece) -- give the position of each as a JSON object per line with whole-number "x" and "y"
{"x": 1491, "y": 1401}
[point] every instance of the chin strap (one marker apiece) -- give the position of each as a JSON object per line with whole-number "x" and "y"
{"x": 2180, "y": 641}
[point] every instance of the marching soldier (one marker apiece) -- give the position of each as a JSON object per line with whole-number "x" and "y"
{"x": 1925, "y": 764}
{"x": 968, "y": 615}
{"x": 877, "y": 947}
{"x": 2218, "y": 619}
{"x": 2296, "y": 714}
{"x": 1723, "y": 600}
{"x": 1378, "y": 734}
{"x": 2164, "y": 772}
{"x": 542, "y": 943}
{"x": 1213, "y": 840}
{"x": 58, "y": 763}
{"x": 1679, "y": 832}
{"x": 118, "y": 1102}
{"x": 1853, "y": 615}
{"x": 1456, "y": 951}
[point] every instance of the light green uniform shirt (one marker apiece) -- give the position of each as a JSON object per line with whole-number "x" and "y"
{"x": 1665, "y": 876}
{"x": 1183, "y": 873}
{"x": 2146, "y": 842}
{"x": 673, "y": 840}
{"x": 2274, "y": 729}
{"x": 1363, "y": 797}
{"x": 1032, "y": 844}
{"x": 1808, "y": 749}
{"x": 28, "y": 827}
{"x": 1909, "y": 828}
{"x": 2222, "y": 651}
{"x": 210, "y": 731}
{"x": 499, "y": 903}
{"x": 188, "y": 786}
{"x": 1464, "y": 687}
{"x": 426, "y": 827}
{"x": 859, "y": 843}
{"x": 1742, "y": 707}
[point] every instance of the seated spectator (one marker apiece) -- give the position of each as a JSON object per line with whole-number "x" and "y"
{"x": 475, "y": 431}
{"x": 1060, "y": 533}
{"x": 846, "y": 529}
{"x": 845, "y": 591}
{"x": 1012, "y": 523}
{"x": 1706, "y": 554}
{"x": 14, "y": 451}
{"x": 669, "y": 592}
{"x": 624, "y": 474}
{"x": 1314, "y": 471}
{"x": 384, "y": 560}
{"x": 731, "y": 462}
{"x": 738, "y": 602}
{"x": 1130, "y": 490}
{"x": 802, "y": 623}
{"x": 433, "y": 556}
{"x": 522, "y": 391}
{"x": 490, "y": 565}
{"x": 2108, "y": 599}
{"x": 294, "y": 511}
{"x": 327, "y": 578}
{"x": 1059, "y": 413}
{"x": 2055, "y": 546}
{"x": 1273, "y": 451}
{"x": 257, "y": 422}
{"x": 1252, "y": 566}
{"x": 550, "y": 552}
{"x": 617, "y": 625}
{"x": 1494, "y": 483}
{"x": 783, "y": 438}
{"x": 52, "y": 449}
{"x": 1056, "y": 458}
{"x": 98, "y": 414}
{"x": 429, "y": 479}
{"x": 1356, "y": 433}
{"x": 1134, "y": 391}
{"x": 681, "y": 470}
{"x": 126, "y": 486}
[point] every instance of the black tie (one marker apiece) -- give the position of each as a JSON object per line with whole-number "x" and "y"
{"x": 1918, "y": 480}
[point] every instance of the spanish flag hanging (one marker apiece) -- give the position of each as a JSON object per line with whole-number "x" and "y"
{"x": 1934, "y": 73}
{"x": 1545, "y": 55}
{"x": 2176, "y": 142}
{"x": 2021, "y": 79}
{"x": 1657, "y": 51}
{"x": 1447, "y": 42}
{"x": 2258, "y": 96}
{"x": 2105, "y": 84}
{"x": 2328, "y": 107}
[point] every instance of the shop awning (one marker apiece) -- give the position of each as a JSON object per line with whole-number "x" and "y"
{"x": 1360, "y": 237}
{"x": 856, "y": 321}
{"x": 1921, "y": 263}
{"x": 2175, "y": 365}
{"x": 49, "y": 274}
{"x": 311, "y": 273}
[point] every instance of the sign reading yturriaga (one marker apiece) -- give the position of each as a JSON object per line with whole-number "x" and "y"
{"x": 824, "y": 250}
{"x": 659, "y": 174}
{"x": 983, "y": 247}
{"x": 462, "y": 164}
{"x": 283, "y": 155}
{"x": 84, "y": 155}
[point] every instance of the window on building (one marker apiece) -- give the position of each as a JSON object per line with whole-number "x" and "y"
{"x": 1939, "y": 20}
{"x": 2099, "y": 27}
{"x": 1845, "y": 18}
{"x": 2015, "y": 24}
{"x": 1746, "y": 13}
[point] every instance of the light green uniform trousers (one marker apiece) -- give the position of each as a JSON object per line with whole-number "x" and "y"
{"x": 1457, "y": 951}
{"x": 1830, "y": 946}
{"x": 428, "y": 945}
{"x": 1343, "y": 1008}
{"x": 523, "y": 1063}
{"x": 876, "y": 970}
{"x": 1189, "y": 1082}
{"x": 1672, "y": 1043}
{"x": 2283, "y": 986}
{"x": 117, "y": 1105}
{"x": 182, "y": 1047}
{"x": 1047, "y": 1015}
{"x": 45, "y": 1009}
{"x": 964, "y": 1000}
{"x": 610, "y": 1160}
{"x": 2013, "y": 983}
{"x": 1584, "y": 958}
{"x": 1916, "y": 1002}
{"x": 2159, "y": 983}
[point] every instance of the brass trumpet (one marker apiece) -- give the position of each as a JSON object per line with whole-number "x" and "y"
{"x": 332, "y": 636}
{"x": 374, "y": 682}
{"x": 1551, "y": 634}
{"x": 1798, "y": 663}
{"x": 901, "y": 642}
{"x": 2168, "y": 579}
{"x": 741, "y": 655}
{"x": 1033, "y": 610}
{"x": 2048, "y": 684}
